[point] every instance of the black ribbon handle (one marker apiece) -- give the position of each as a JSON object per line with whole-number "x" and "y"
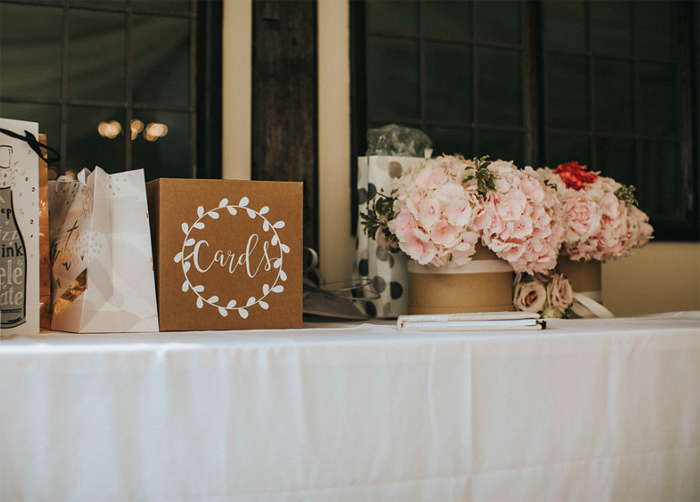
{"x": 34, "y": 145}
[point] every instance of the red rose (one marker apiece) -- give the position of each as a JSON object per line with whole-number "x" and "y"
{"x": 575, "y": 175}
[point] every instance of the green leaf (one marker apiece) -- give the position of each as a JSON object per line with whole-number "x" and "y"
{"x": 551, "y": 185}
{"x": 483, "y": 175}
{"x": 626, "y": 194}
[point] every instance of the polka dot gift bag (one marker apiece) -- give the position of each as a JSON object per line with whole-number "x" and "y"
{"x": 392, "y": 151}
{"x": 101, "y": 259}
{"x": 386, "y": 271}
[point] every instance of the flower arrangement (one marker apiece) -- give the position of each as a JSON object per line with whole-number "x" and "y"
{"x": 435, "y": 209}
{"x": 601, "y": 219}
{"x": 520, "y": 219}
{"x": 438, "y": 212}
{"x": 441, "y": 209}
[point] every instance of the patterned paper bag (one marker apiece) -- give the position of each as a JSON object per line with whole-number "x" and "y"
{"x": 101, "y": 258}
{"x": 388, "y": 272}
{"x": 19, "y": 228}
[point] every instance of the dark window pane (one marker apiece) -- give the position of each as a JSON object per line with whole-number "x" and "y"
{"x": 451, "y": 141}
{"x": 107, "y": 4}
{"x": 498, "y": 21}
{"x": 446, "y": 20}
{"x": 660, "y": 160}
{"x": 180, "y": 7}
{"x": 162, "y": 151}
{"x": 392, "y": 17}
{"x": 95, "y": 138}
{"x": 48, "y": 117}
{"x": 161, "y": 56}
{"x": 503, "y": 145}
{"x": 565, "y": 25}
{"x": 614, "y": 95}
{"x": 656, "y": 30}
{"x": 30, "y": 59}
{"x": 567, "y": 92}
{"x": 392, "y": 78}
{"x": 566, "y": 148}
{"x": 658, "y": 108}
{"x": 92, "y": 33}
{"x": 611, "y": 27}
{"x": 615, "y": 157}
{"x": 499, "y": 87}
{"x": 448, "y": 82}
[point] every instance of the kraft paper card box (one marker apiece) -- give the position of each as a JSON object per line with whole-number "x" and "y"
{"x": 228, "y": 254}
{"x": 19, "y": 231}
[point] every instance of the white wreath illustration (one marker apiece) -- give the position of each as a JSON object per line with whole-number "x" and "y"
{"x": 276, "y": 263}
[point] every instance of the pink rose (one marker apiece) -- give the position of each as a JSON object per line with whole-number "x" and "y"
{"x": 529, "y": 296}
{"x": 560, "y": 294}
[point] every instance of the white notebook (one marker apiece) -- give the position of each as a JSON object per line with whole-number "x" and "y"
{"x": 480, "y": 321}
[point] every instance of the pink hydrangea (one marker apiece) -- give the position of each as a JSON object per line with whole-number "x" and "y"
{"x": 597, "y": 224}
{"x": 521, "y": 219}
{"x": 436, "y": 212}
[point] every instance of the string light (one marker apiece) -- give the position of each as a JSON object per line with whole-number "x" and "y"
{"x": 136, "y": 128}
{"x": 109, "y": 129}
{"x": 154, "y": 131}
{"x": 151, "y": 132}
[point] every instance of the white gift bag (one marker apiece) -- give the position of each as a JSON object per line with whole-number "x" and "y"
{"x": 19, "y": 229}
{"x": 388, "y": 272}
{"x": 101, "y": 258}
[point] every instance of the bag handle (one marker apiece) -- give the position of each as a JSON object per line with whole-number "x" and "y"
{"x": 34, "y": 145}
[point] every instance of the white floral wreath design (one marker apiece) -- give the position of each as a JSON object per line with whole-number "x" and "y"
{"x": 276, "y": 263}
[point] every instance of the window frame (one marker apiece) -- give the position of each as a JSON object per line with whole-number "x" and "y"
{"x": 535, "y": 124}
{"x": 205, "y": 69}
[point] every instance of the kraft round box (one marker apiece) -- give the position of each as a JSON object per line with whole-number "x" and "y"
{"x": 483, "y": 285}
{"x": 585, "y": 276}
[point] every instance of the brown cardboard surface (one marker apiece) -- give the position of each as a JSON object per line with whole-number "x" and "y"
{"x": 458, "y": 293}
{"x": 231, "y": 256}
{"x": 583, "y": 275}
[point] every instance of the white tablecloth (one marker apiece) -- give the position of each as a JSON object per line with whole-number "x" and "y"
{"x": 585, "y": 410}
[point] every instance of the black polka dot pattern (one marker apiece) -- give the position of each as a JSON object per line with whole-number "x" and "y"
{"x": 384, "y": 273}
{"x": 396, "y": 290}
{"x": 395, "y": 169}
{"x": 364, "y": 268}
{"x": 371, "y": 191}
{"x": 379, "y": 284}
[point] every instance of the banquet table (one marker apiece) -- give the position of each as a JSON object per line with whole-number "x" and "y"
{"x": 584, "y": 410}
